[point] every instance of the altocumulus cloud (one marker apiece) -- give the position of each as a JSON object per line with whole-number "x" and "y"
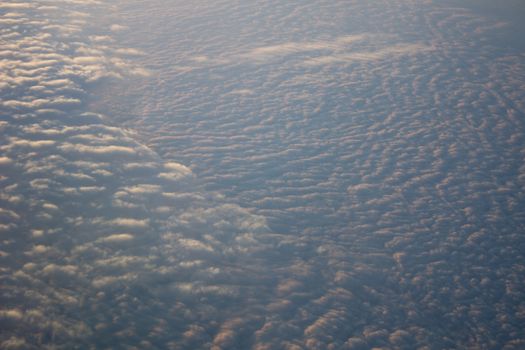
{"x": 365, "y": 145}
{"x": 82, "y": 241}
{"x": 385, "y": 138}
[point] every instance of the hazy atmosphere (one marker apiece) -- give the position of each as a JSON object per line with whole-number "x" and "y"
{"x": 262, "y": 174}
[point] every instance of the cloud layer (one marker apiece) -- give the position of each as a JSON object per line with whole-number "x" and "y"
{"x": 384, "y": 139}
{"x": 103, "y": 243}
{"x": 259, "y": 175}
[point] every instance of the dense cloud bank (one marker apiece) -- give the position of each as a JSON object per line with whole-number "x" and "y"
{"x": 378, "y": 146}
{"x": 104, "y": 244}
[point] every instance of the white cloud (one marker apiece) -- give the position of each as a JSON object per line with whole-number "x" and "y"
{"x": 15, "y": 142}
{"x": 383, "y": 53}
{"x": 193, "y": 244}
{"x": 129, "y": 222}
{"x": 52, "y": 269}
{"x": 108, "y": 281}
{"x": 268, "y": 52}
{"x": 117, "y": 238}
{"x": 91, "y": 189}
{"x": 16, "y": 5}
{"x": 117, "y": 27}
{"x": 97, "y": 150}
{"x": 5, "y": 161}
{"x": 143, "y": 189}
{"x": 13, "y": 314}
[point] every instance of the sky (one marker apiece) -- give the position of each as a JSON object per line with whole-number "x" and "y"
{"x": 255, "y": 174}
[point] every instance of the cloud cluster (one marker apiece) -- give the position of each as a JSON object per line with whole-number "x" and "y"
{"x": 383, "y": 138}
{"x": 103, "y": 242}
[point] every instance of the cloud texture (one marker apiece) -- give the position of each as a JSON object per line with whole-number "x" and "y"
{"x": 259, "y": 175}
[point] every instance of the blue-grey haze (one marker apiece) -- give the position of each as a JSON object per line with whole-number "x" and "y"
{"x": 317, "y": 174}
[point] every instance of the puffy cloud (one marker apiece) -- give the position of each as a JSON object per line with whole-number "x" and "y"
{"x": 143, "y": 189}
{"x": 14, "y": 343}
{"x": 5, "y": 161}
{"x": 193, "y": 244}
{"x": 97, "y": 150}
{"x": 177, "y": 167}
{"x": 52, "y": 269}
{"x": 128, "y": 222}
{"x": 13, "y": 314}
{"x": 117, "y": 238}
{"x": 117, "y": 27}
{"x": 388, "y": 52}
{"x": 267, "y": 52}
{"x": 31, "y": 144}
